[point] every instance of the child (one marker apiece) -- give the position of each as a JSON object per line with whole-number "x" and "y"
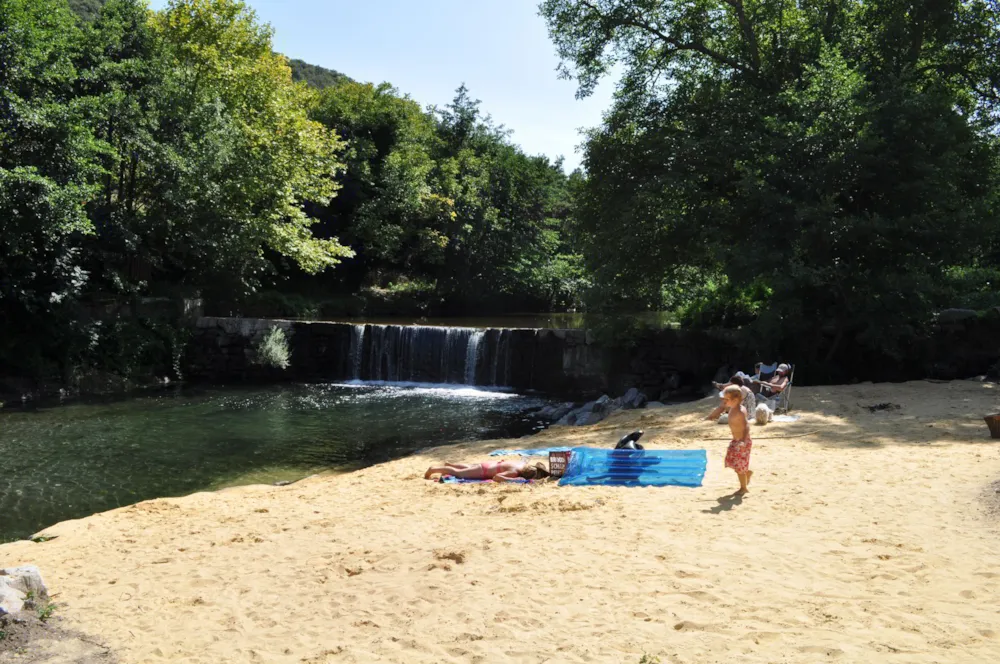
{"x": 738, "y": 454}
{"x": 498, "y": 471}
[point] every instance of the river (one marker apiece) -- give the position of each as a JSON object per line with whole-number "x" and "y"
{"x": 74, "y": 460}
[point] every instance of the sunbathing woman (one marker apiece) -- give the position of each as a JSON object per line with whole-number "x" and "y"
{"x": 498, "y": 471}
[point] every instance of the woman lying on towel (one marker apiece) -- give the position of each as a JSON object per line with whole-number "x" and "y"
{"x": 498, "y": 471}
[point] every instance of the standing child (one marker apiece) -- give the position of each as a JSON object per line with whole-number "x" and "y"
{"x": 738, "y": 454}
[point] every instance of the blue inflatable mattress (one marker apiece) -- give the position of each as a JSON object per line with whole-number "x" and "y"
{"x": 590, "y": 466}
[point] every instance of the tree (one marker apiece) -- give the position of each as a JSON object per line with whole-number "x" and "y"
{"x": 816, "y": 168}
{"x": 388, "y": 207}
{"x": 242, "y": 153}
{"x": 48, "y": 162}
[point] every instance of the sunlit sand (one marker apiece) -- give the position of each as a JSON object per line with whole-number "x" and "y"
{"x": 865, "y": 537}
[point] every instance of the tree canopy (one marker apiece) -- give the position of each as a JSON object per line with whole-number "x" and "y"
{"x": 827, "y": 171}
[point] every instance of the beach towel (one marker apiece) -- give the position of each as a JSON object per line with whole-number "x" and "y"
{"x": 448, "y": 479}
{"x": 590, "y": 466}
{"x": 541, "y": 451}
{"x": 785, "y": 418}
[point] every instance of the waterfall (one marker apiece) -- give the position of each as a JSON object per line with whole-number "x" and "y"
{"x": 424, "y": 354}
{"x": 357, "y": 350}
{"x": 472, "y": 356}
{"x": 501, "y": 355}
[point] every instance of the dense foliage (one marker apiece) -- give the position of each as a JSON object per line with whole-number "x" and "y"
{"x": 315, "y": 76}
{"x": 174, "y": 154}
{"x": 143, "y": 154}
{"x": 827, "y": 171}
{"x": 441, "y": 203}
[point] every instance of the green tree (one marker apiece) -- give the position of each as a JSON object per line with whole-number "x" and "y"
{"x": 48, "y": 162}
{"x": 816, "y": 168}
{"x": 242, "y": 154}
{"x": 388, "y": 207}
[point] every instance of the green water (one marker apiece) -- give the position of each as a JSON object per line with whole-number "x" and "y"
{"x": 71, "y": 461}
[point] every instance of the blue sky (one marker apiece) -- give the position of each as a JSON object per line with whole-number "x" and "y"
{"x": 499, "y": 48}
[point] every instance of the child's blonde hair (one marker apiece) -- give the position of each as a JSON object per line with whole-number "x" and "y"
{"x": 731, "y": 392}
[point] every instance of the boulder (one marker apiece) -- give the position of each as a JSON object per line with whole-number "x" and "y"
{"x": 559, "y": 412}
{"x": 653, "y": 405}
{"x": 591, "y": 418}
{"x": 11, "y": 600}
{"x": 574, "y": 416}
{"x": 27, "y": 579}
{"x": 602, "y": 405}
{"x": 634, "y": 399}
{"x": 956, "y": 315}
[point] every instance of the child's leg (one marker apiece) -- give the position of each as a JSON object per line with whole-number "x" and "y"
{"x": 743, "y": 482}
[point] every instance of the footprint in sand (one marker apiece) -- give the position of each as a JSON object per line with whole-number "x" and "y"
{"x": 819, "y": 650}
{"x": 688, "y": 626}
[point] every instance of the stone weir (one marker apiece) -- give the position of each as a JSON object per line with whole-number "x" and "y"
{"x": 549, "y": 360}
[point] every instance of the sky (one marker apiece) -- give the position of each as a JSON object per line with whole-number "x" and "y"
{"x": 499, "y": 48}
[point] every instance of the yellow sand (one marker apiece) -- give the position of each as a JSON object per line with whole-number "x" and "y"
{"x": 865, "y": 538}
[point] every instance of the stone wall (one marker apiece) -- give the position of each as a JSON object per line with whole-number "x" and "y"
{"x": 663, "y": 364}
{"x": 570, "y": 362}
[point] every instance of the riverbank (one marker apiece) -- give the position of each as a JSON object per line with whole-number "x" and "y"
{"x": 865, "y": 537}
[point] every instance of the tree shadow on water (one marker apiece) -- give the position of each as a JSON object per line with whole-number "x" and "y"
{"x": 726, "y": 503}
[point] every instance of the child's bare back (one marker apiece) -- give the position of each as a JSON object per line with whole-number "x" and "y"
{"x": 738, "y": 424}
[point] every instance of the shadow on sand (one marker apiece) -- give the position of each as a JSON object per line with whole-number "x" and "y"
{"x": 726, "y": 503}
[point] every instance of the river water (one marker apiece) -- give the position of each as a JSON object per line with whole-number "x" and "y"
{"x": 71, "y": 461}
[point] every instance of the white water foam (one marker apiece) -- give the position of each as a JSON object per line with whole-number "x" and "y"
{"x": 439, "y": 389}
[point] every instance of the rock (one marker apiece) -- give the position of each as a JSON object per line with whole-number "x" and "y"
{"x": 653, "y": 405}
{"x": 602, "y": 405}
{"x": 634, "y": 399}
{"x": 11, "y": 600}
{"x": 574, "y": 416}
{"x": 27, "y": 579}
{"x": 591, "y": 418}
{"x": 559, "y": 412}
{"x": 956, "y": 315}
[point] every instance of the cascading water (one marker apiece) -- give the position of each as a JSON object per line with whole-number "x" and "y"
{"x": 413, "y": 353}
{"x": 501, "y": 356}
{"x": 472, "y": 356}
{"x": 357, "y": 350}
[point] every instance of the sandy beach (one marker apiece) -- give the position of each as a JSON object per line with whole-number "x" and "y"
{"x": 866, "y": 537}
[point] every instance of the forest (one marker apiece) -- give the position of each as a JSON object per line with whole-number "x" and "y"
{"x": 819, "y": 177}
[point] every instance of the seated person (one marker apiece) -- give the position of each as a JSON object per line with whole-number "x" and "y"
{"x": 498, "y": 471}
{"x": 775, "y": 385}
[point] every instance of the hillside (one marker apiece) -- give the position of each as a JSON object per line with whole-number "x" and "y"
{"x": 87, "y": 9}
{"x": 314, "y": 75}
